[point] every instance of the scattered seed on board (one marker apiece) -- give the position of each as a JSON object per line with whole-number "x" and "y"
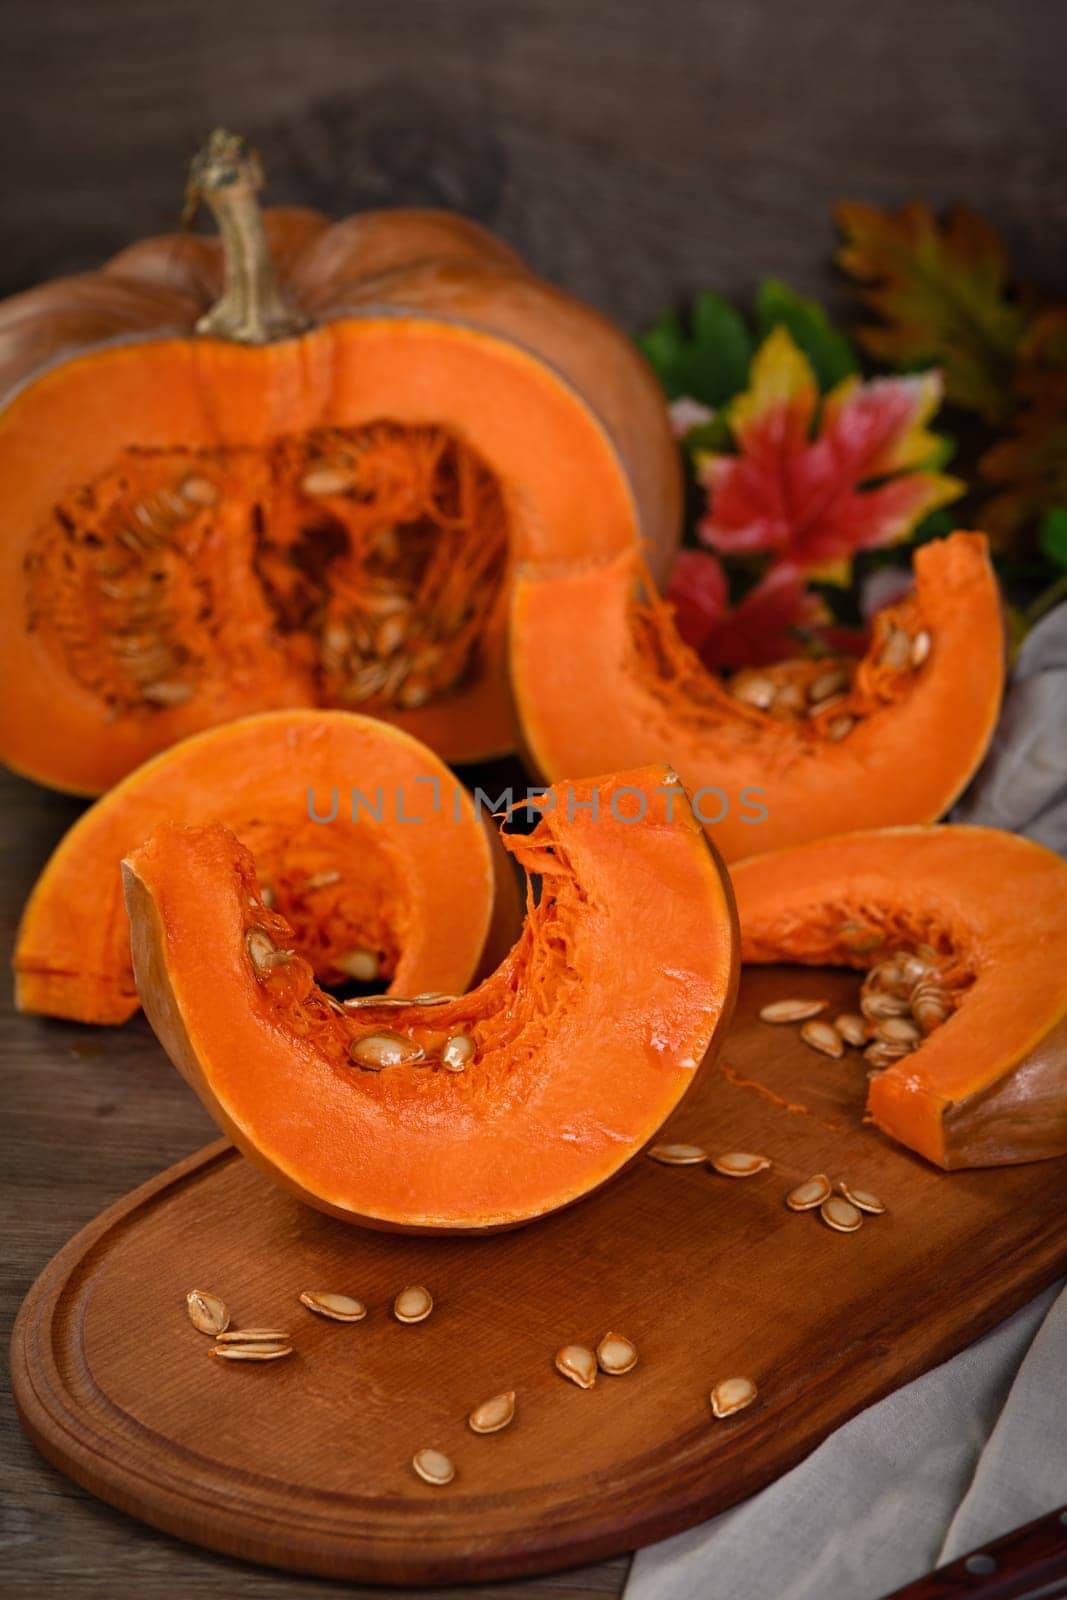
{"x": 250, "y": 1352}
{"x": 578, "y": 1363}
{"x": 433, "y": 1466}
{"x": 207, "y": 1312}
{"x": 732, "y": 1395}
{"x": 809, "y": 1194}
{"x": 362, "y": 965}
{"x": 253, "y": 1336}
{"x": 678, "y": 1155}
{"x": 375, "y": 1051}
{"x": 822, "y": 1036}
{"x": 791, "y": 1010}
{"x": 852, "y": 1028}
{"x": 458, "y": 1050}
{"x": 841, "y": 1215}
{"x": 862, "y": 1199}
{"x": 337, "y": 1307}
{"x": 413, "y": 1304}
{"x": 616, "y": 1354}
{"x": 493, "y": 1415}
{"x": 738, "y": 1164}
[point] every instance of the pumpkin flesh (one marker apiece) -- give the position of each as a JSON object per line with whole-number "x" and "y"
{"x": 585, "y": 1038}
{"x": 987, "y": 1087}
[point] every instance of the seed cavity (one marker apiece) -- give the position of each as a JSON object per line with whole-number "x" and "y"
{"x": 458, "y": 1051}
{"x": 791, "y": 1010}
{"x": 616, "y": 1354}
{"x": 337, "y": 1307}
{"x": 375, "y": 1051}
{"x": 413, "y": 1304}
{"x": 823, "y": 1037}
{"x": 207, "y": 1312}
{"x": 732, "y": 1395}
{"x": 678, "y": 1155}
{"x": 578, "y": 1363}
{"x": 739, "y": 1164}
{"x": 433, "y": 1466}
{"x": 862, "y": 1199}
{"x": 809, "y": 1194}
{"x": 493, "y": 1415}
{"x": 841, "y": 1214}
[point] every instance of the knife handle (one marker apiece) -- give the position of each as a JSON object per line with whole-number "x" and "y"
{"x": 1029, "y": 1563}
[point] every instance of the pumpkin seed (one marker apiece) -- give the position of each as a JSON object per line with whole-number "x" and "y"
{"x": 927, "y": 953}
{"x": 262, "y": 952}
{"x": 199, "y": 491}
{"x": 913, "y": 969}
{"x": 822, "y": 1036}
{"x": 852, "y": 1028}
{"x": 930, "y": 1013}
{"x": 840, "y": 727}
{"x": 362, "y": 1001}
{"x": 788, "y": 701}
{"x": 738, "y": 1164}
{"x": 578, "y": 1363}
{"x": 253, "y": 1336}
{"x": 433, "y": 1466}
{"x": 920, "y": 648}
{"x": 337, "y": 1307}
{"x": 167, "y": 693}
{"x": 897, "y": 1030}
{"x": 389, "y": 635}
{"x": 207, "y": 1312}
{"x": 831, "y": 682}
{"x": 375, "y": 1051}
{"x": 840, "y": 1214}
{"x": 267, "y": 895}
{"x": 250, "y": 1352}
{"x": 860, "y": 937}
{"x": 327, "y": 481}
{"x": 862, "y": 1199}
{"x": 323, "y": 880}
{"x": 458, "y": 1050}
{"x": 791, "y": 1010}
{"x": 822, "y": 707}
{"x": 879, "y": 1006}
{"x": 896, "y": 651}
{"x": 616, "y": 1354}
{"x": 363, "y": 965}
{"x": 493, "y": 1415}
{"x": 809, "y": 1194}
{"x": 881, "y": 1054}
{"x": 415, "y": 693}
{"x": 432, "y": 997}
{"x": 413, "y": 1304}
{"x": 753, "y": 689}
{"x": 678, "y": 1155}
{"x": 732, "y": 1395}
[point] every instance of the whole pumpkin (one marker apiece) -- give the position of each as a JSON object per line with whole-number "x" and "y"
{"x": 295, "y": 465}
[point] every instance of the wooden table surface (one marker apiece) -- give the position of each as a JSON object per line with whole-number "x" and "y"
{"x": 635, "y": 150}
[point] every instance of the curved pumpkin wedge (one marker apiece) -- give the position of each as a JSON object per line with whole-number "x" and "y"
{"x": 363, "y": 840}
{"x": 602, "y": 680}
{"x": 293, "y": 467}
{"x": 580, "y": 1044}
{"x": 987, "y": 913}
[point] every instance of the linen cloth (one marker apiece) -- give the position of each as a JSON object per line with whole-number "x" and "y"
{"x": 975, "y": 1447}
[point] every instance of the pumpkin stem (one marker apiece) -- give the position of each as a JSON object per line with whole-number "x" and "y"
{"x": 253, "y": 308}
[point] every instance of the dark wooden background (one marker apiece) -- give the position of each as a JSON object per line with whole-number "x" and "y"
{"x": 635, "y": 150}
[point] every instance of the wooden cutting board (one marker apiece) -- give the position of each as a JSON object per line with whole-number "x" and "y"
{"x": 305, "y": 1463}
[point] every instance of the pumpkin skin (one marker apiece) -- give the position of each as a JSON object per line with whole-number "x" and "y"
{"x": 600, "y": 682}
{"x": 586, "y": 1037}
{"x": 989, "y": 1086}
{"x": 410, "y": 872}
{"x": 478, "y": 404}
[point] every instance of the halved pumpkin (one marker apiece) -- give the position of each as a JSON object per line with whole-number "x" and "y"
{"x": 293, "y": 467}
{"x": 363, "y": 839}
{"x": 772, "y": 758}
{"x": 577, "y": 1048}
{"x": 988, "y": 913}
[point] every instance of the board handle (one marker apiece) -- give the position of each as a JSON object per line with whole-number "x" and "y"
{"x": 1030, "y": 1563}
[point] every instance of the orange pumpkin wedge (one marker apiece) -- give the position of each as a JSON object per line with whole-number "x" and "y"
{"x": 602, "y": 680}
{"x": 363, "y": 840}
{"x": 294, "y": 467}
{"x": 581, "y": 1043}
{"x": 987, "y": 911}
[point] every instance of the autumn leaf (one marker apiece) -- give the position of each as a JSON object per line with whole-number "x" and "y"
{"x": 814, "y": 480}
{"x": 1029, "y": 466}
{"x": 943, "y": 295}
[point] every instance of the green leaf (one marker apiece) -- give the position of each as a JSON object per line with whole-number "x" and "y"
{"x": 709, "y": 361}
{"x": 828, "y": 350}
{"x": 1052, "y": 535}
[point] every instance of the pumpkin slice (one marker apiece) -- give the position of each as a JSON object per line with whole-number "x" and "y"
{"x": 293, "y": 466}
{"x": 579, "y": 1046}
{"x": 792, "y": 752}
{"x": 981, "y": 917}
{"x": 363, "y": 839}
